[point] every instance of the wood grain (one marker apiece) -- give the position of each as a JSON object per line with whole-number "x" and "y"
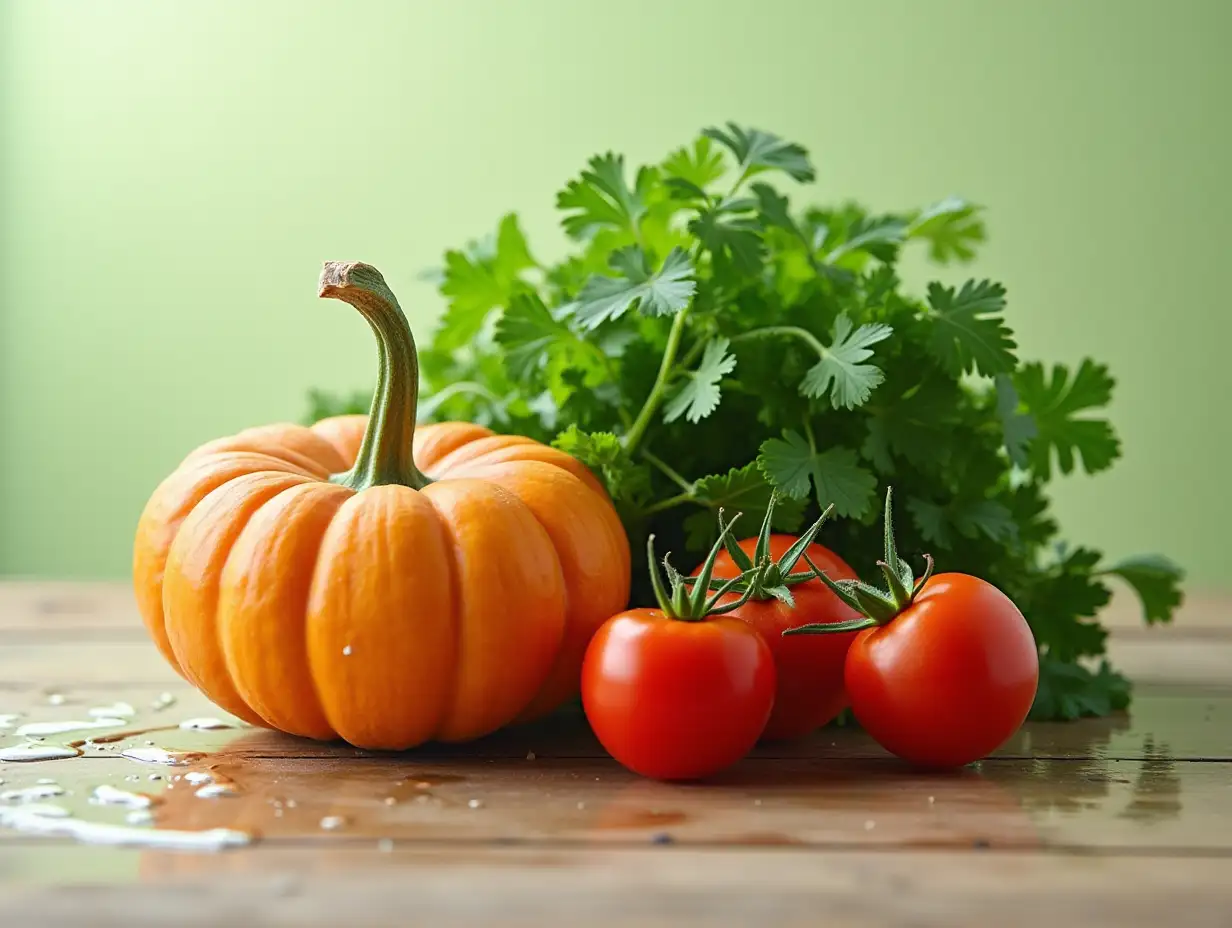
{"x": 1125, "y": 820}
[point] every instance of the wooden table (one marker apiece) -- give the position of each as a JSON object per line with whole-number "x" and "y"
{"x": 1124, "y": 821}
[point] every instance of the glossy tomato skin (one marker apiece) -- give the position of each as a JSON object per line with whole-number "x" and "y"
{"x": 948, "y": 680}
{"x": 677, "y": 700}
{"x": 809, "y": 668}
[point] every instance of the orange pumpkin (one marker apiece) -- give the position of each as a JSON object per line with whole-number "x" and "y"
{"x": 369, "y": 580}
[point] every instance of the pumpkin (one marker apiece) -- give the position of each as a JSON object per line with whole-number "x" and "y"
{"x": 369, "y": 580}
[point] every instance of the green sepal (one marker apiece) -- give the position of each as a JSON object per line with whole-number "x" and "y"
{"x": 679, "y": 601}
{"x": 876, "y": 606}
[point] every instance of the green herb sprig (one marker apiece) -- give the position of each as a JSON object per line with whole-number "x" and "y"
{"x": 705, "y": 343}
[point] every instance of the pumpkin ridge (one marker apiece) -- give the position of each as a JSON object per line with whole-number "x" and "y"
{"x": 160, "y": 522}
{"x": 218, "y": 542}
{"x": 285, "y": 520}
{"x": 456, "y": 594}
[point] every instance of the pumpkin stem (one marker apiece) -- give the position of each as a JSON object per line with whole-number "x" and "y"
{"x": 385, "y": 456}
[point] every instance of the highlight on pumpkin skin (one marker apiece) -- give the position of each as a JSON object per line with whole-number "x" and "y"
{"x": 275, "y": 568}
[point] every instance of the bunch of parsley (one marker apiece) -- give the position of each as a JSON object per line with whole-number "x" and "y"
{"x": 706, "y": 342}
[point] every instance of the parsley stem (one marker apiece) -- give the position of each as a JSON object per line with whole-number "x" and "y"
{"x": 673, "y": 475}
{"x": 459, "y": 388}
{"x": 659, "y": 391}
{"x": 670, "y": 503}
{"x": 793, "y": 331}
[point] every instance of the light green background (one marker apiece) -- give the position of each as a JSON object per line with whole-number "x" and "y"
{"x": 174, "y": 173}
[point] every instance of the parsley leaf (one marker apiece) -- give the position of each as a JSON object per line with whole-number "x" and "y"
{"x": 967, "y": 332}
{"x": 1062, "y": 596}
{"x": 1019, "y": 428}
{"x": 699, "y": 396}
{"x": 951, "y": 228}
{"x": 699, "y": 167}
{"x": 601, "y": 198}
{"x": 758, "y": 151}
{"x": 1056, "y": 403}
{"x": 970, "y": 518}
{"x": 790, "y": 464}
{"x": 659, "y": 293}
{"x": 626, "y": 480}
{"x": 1156, "y": 580}
{"x": 526, "y": 330}
{"x": 733, "y": 240}
{"x": 868, "y": 235}
{"x": 842, "y": 370}
{"x": 480, "y": 279}
{"x": 740, "y": 490}
{"x": 1069, "y": 691}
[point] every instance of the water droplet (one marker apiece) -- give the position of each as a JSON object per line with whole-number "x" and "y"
{"x": 530, "y": 755}
{"x": 278, "y": 813}
{"x": 199, "y": 777}
{"x": 32, "y": 793}
{"x": 581, "y": 805}
{"x": 164, "y": 701}
{"x": 110, "y": 796}
{"x": 159, "y": 756}
{"x": 31, "y": 729}
{"x": 53, "y": 821}
{"x": 7, "y": 720}
{"x": 216, "y": 791}
{"x": 332, "y": 822}
{"x": 149, "y": 743}
{"x": 33, "y": 750}
{"x": 932, "y": 800}
{"x": 756, "y": 802}
{"x": 121, "y": 710}
{"x": 475, "y": 804}
{"x": 205, "y": 724}
{"x": 662, "y": 838}
{"x": 139, "y": 817}
{"x": 43, "y": 781}
{"x": 390, "y": 801}
{"x": 870, "y": 825}
{"x": 423, "y": 784}
{"x": 384, "y": 845}
{"x": 55, "y": 699}
{"x": 346, "y": 652}
{"x": 132, "y": 778}
{"x": 291, "y": 803}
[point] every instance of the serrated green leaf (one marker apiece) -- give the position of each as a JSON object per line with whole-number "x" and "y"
{"x": 931, "y": 520}
{"x": 699, "y": 395}
{"x": 626, "y": 480}
{"x": 758, "y": 151}
{"x": 699, "y": 166}
{"x": 841, "y": 370}
{"x": 526, "y": 330}
{"x": 1062, "y": 597}
{"x": 968, "y": 332}
{"x": 1057, "y": 404}
{"x": 1156, "y": 580}
{"x": 867, "y": 234}
{"x": 1018, "y": 427}
{"x": 835, "y": 474}
{"x": 659, "y": 293}
{"x": 601, "y": 197}
{"x": 775, "y": 209}
{"x": 1068, "y": 691}
{"x": 916, "y": 427}
{"x": 951, "y": 227}
{"x": 740, "y": 490}
{"x": 733, "y": 240}
{"x": 479, "y": 279}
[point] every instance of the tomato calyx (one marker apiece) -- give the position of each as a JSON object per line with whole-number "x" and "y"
{"x": 685, "y": 604}
{"x": 762, "y": 577}
{"x": 876, "y": 606}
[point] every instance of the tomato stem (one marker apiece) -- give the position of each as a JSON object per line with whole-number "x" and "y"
{"x": 692, "y": 605}
{"x": 876, "y": 606}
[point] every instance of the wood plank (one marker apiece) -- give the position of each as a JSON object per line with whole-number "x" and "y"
{"x": 1183, "y": 724}
{"x": 635, "y": 887}
{"x": 1155, "y": 805}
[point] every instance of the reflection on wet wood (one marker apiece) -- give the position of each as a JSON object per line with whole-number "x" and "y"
{"x": 1122, "y": 820}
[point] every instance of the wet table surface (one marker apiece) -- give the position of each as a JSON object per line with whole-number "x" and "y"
{"x": 168, "y": 812}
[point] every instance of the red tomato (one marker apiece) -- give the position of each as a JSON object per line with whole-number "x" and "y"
{"x": 674, "y": 699}
{"x": 950, "y": 678}
{"x": 809, "y": 668}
